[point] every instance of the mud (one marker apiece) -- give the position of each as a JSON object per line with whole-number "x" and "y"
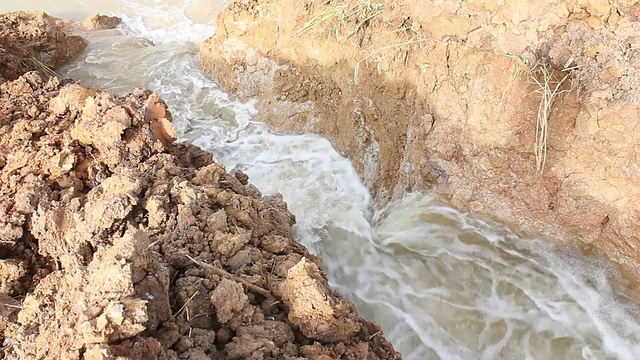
{"x": 443, "y": 95}
{"x": 116, "y": 242}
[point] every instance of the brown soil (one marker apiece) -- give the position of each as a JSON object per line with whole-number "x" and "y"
{"x": 100, "y": 22}
{"x": 116, "y": 242}
{"x": 31, "y": 38}
{"x": 437, "y": 104}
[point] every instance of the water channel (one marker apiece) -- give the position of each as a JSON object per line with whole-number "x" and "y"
{"x": 442, "y": 284}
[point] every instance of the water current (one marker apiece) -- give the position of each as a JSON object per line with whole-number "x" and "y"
{"x": 442, "y": 284}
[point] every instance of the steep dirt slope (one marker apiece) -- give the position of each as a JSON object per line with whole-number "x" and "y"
{"x": 116, "y": 242}
{"x": 454, "y": 96}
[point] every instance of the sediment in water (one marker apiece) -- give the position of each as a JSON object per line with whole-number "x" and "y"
{"x": 116, "y": 241}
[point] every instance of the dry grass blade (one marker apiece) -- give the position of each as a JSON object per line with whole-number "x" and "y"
{"x": 339, "y": 15}
{"x": 395, "y": 48}
{"x": 35, "y": 64}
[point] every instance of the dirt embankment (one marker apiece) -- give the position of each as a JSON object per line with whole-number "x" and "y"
{"x": 454, "y": 96}
{"x": 34, "y": 41}
{"x": 116, "y": 242}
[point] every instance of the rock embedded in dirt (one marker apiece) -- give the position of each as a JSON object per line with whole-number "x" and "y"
{"x": 117, "y": 242}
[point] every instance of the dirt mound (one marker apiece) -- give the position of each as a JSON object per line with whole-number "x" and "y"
{"x": 525, "y": 112}
{"x": 100, "y": 22}
{"x": 116, "y": 242}
{"x": 33, "y": 40}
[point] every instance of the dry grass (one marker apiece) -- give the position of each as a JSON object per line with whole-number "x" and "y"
{"x": 347, "y": 18}
{"x": 34, "y": 63}
{"x": 383, "y": 53}
{"x": 344, "y": 18}
{"x": 548, "y": 85}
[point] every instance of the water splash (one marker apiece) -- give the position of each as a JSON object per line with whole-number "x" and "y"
{"x": 449, "y": 286}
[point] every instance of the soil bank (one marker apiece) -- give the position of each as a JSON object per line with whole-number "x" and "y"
{"x": 116, "y": 242}
{"x": 454, "y": 96}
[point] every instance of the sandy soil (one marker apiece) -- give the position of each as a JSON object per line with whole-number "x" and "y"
{"x": 443, "y": 95}
{"x": 116, "y": 242}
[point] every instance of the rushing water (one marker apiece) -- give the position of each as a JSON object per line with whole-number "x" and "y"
{"x": 442, "y": 284}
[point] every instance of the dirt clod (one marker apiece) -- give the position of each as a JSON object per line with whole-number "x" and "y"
{"x": 100, "y": 22}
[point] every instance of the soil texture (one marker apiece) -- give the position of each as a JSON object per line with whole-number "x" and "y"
{"x": 33, "y": 40}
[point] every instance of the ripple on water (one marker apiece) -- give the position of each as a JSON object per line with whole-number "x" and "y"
{"x": 483, "y": 291}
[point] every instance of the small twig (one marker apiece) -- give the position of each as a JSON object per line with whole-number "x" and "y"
{"x": 186, "y": 303}
{"x": 223, "y": 273}
{"x": 151, "y": 245}
{"x": 107, "y": 83}
{"x": 236, "y": 225}
{"x": 13, "y": 306}
{"x": 199, "y": 315}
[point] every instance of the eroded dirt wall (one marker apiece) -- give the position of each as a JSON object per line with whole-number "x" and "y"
{"x": 447, "y": 95}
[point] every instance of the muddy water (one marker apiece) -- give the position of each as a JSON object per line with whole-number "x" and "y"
{"x": 443, "y": 284}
